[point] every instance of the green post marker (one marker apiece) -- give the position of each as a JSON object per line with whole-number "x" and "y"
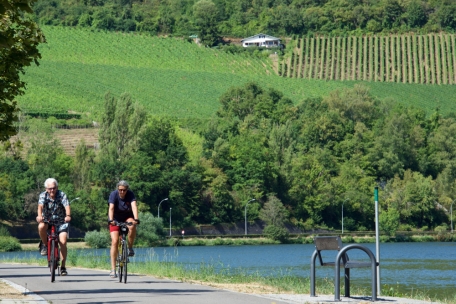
{"x": 377, "y": 239}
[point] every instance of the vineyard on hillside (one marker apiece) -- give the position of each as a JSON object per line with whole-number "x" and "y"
{"x": 423, "y": 59}
{"x": 174, "y": 77}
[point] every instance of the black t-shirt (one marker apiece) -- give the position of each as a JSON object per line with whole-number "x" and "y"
{"x": 122, "y": 206}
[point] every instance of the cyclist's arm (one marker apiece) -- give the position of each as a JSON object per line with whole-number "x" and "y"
{"x": 111, "y": 212}
{"x": 39, "y": 216}
{"x": 68, "y": 213}
{"x": 134, "y": 208}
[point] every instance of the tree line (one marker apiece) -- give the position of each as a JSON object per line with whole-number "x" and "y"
{"x": 301, "y": 163}
{"x": 212, "y": 19}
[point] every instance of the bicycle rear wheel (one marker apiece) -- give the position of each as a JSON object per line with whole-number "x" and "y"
{"x": 125, "y": 261}
{"x": 53, "y": 261}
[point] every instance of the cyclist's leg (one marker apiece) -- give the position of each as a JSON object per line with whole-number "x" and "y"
{"x": 131, "y": 233}
{"x": 114, "y": 245}
{"x": 63, "y": 248}
{"x": 42, "y": 231}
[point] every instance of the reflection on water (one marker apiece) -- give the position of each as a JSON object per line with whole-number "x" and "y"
{"x": 404, "y": 266}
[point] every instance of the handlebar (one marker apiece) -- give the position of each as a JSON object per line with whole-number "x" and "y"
{"x": 53, "y": 223}
{"x": 122, "y": 224}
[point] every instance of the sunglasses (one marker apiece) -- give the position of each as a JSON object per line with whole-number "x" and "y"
{"x": 122, "y": 190}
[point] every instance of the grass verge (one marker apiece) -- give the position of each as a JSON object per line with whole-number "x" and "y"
{"x": 221, "y": 276}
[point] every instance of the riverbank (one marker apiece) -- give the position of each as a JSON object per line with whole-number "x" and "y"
{"x": 224, "y": 276}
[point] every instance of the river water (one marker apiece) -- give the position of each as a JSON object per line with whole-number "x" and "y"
{"x": 429, "y": 267}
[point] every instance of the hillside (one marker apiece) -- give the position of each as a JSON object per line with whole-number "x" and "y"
{"x": 173, "y": 77}
{"x": 425, "y": 59}
{"x": 70, "y": 138}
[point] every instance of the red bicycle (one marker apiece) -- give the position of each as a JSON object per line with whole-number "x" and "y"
{"x": 53, "y": 250}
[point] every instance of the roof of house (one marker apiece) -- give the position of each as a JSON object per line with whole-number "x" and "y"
{"x": 257, "y": 38}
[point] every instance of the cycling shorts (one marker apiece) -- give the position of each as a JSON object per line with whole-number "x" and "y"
{"x": 61, "y": 228}
{"x": 120, "y": 218}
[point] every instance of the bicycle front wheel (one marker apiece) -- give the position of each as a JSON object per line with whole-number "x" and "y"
{"x": 53, "y": 261}
{"x": 120, "y": 261}
{"x": 125, "y": 261}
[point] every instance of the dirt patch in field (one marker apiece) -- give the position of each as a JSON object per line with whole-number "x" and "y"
{"x": 9, "y": 292}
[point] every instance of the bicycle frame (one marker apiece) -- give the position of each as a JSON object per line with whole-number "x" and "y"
{"x": 123, "y": 259}
{"x": 53, "y": 251}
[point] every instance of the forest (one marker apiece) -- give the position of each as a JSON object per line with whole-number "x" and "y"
{"x": 212, "y": 20}
{"x": 305, "y": 161}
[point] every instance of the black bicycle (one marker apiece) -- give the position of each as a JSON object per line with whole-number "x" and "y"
{"x": 122, "y": 258}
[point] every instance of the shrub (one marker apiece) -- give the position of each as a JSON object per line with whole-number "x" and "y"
{"x": 405, "y": 227}
{"x": 276, "y": 233}
{"x": 4, "y": 231}
{"x": 389, "y": 221}
{"x": 348, "y": 239}
{"x": 385, "y": 239}
{"x": 9, "y": 243}
{"x": 150, "y": 232}
{"x": 98, "y": 239}
{"x": 441, "y": 229}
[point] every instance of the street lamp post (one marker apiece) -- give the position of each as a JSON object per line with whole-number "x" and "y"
{"x": 158, "y": 208}
{"x": 343, "y": 215}
{"x": 245, "y": 214}
{"x": 170, "y": 221}
{"x": 451, "y": 215}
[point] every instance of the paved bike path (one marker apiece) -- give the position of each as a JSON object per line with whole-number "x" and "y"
{"x": 95, "y": 286}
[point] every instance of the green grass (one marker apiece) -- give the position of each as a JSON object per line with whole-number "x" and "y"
{"x": 172, "y": 77}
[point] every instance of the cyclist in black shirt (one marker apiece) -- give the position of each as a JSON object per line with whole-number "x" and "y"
{"x": 122, "y": 208}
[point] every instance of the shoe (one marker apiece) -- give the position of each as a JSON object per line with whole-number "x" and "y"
{"x": 43, "y": 250}
{"x": 131, "y": 252}
{"x": 113, "y": 274}
{"x": 63, "y": 271}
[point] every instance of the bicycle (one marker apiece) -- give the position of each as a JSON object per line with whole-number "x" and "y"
{"x": 122, "y": 258}
{"x": 53, "y": 254}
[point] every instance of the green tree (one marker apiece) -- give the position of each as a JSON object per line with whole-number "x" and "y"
{"x": 310, "y": 187}
{"x": 150, "y": 232}
{"x": 389, "y": 221}
{"x": 416, "y": 15}
{"x": 414, "y": 196}
{"x": 19, "y": 40}
{"x": 15, "y": 181}
{"x": 275, "y": 215}
{"x": 121, "y": 124}
{"x": 84, "y": 160}
{"x": 206, "y": 17}
{"x": 392, "y": 12}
